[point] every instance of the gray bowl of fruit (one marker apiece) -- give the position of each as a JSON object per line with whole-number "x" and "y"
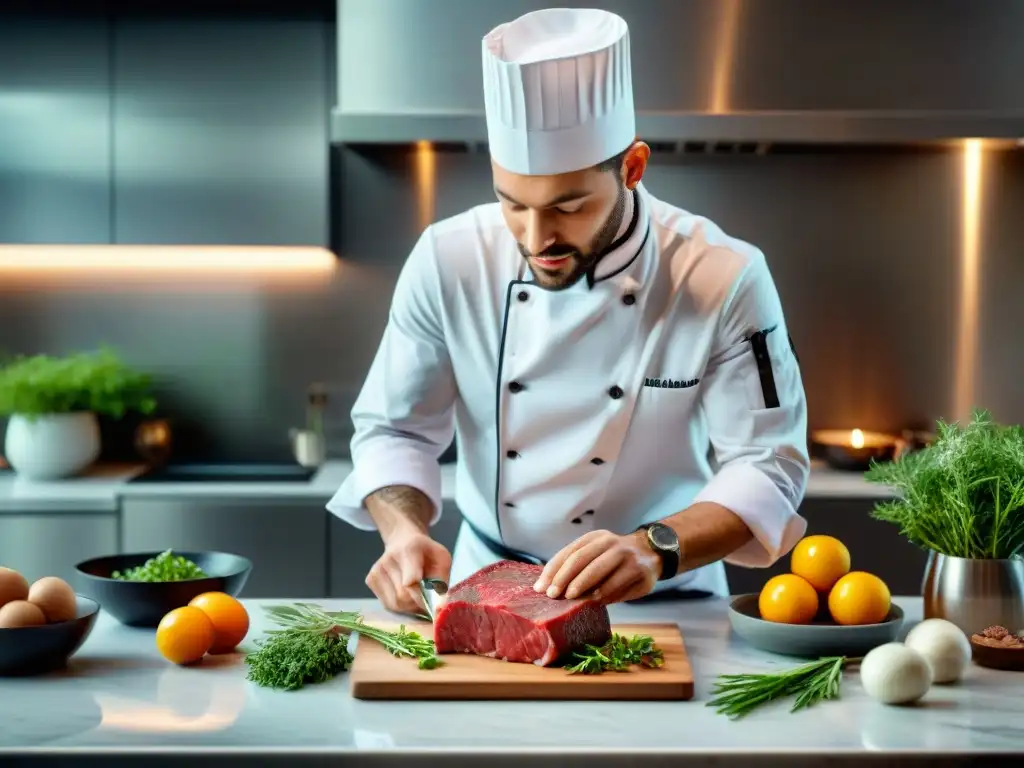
{"x": 42, "y": 624}
{"x": 140, "y": 588}
{"x": 820, "y": 608}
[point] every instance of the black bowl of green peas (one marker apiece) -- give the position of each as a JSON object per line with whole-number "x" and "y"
{"x": 140, "y": 588}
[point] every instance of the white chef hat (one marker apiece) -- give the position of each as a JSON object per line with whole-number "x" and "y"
{"x": 558, "y": 90}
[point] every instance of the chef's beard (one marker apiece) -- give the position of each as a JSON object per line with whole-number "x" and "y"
{"x": 581, "y": 261}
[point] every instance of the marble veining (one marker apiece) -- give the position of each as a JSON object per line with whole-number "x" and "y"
{"x": 118, "y": 693}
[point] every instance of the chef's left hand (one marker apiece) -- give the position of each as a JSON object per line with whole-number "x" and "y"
{"x": 614, "y": 567}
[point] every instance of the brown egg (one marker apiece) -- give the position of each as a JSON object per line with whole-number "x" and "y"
{"x": 13, "y": 586}
{"x": 54, "y": 597}
{"x": 21, "y": 613}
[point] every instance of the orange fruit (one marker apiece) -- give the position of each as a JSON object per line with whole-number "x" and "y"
{"x": 229, "y": 617}
{"x": 184, "y": 635}
{"x": 821, "y": 560}
{"x": 788, "y": 599}
{"x": 859, "y": 598}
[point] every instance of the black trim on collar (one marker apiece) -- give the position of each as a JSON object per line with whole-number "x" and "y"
{"x": 625, "y": 266}
{"x": 618, "y": 242}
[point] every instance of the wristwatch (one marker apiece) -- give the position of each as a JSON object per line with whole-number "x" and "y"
{"x": 663, "y": 540}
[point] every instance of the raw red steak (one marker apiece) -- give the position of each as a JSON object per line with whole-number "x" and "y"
{"x": 495, "y": 612}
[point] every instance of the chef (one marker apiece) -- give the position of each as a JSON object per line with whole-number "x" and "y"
{"x": 617, "y": 374}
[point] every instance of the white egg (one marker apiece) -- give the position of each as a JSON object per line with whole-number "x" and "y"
{"x": 895, "y": 674}
{"x": 944, "y": 646}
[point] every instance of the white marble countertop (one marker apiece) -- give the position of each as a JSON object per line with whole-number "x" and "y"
{"x": 118, "y": 696}
{"x": 101, "y": 488}
{"x": 94, "y": 491}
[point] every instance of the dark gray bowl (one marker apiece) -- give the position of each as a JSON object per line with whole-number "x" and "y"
{"x": 810, "y": 640}
{"x": 37, "y": 650}
{"x": 145, "y": 603}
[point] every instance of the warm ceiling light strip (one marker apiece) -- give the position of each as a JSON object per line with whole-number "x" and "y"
{"x": 426, "y": 182}
{"x": 968, "y": 312}
{"x": 180, "y": 259}
{"x": 724, "y": 49}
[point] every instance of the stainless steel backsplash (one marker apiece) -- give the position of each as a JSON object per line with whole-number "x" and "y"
{"x": 865, "y": 247}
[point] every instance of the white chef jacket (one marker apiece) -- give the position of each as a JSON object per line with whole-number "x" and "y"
{"x": 667, "y": 377}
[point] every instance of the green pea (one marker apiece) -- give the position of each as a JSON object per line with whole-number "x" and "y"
{"x": 166, "y": 566}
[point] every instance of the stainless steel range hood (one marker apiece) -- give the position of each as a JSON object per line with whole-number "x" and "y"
{"x": 775, "y": 71}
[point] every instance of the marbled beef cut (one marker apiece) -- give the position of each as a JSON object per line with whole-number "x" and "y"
{"x": 496, "y": 612}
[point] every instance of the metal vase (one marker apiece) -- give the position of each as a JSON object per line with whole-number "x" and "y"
{"x": 974, "y": 594}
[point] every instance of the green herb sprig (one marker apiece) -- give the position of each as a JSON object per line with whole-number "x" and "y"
{"x": 166, "y": 566}
{"x": 737, "y": 695}
{"x": 311, "y": 646}
{"x": 292, "y": 658}
{"x": 618, "y": 655}
{"x": 98, "y": 382}
{"x": 963, "y": 495}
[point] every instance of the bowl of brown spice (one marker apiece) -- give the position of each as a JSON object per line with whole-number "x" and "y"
{"x": 998, "y": 648}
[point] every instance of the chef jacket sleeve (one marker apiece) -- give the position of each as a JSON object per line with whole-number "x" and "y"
{"x": 403, "y": 414}
{"x": 756, "y": 411}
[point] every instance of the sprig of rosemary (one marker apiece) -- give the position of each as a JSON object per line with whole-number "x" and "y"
{"x": 618, "y": 655}
{"x": 401, "y": 643}
{"x": 738, "y": 695}
{"x": 311, "y": 646}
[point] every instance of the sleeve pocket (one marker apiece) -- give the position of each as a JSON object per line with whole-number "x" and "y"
{"x": 774, "y": 358}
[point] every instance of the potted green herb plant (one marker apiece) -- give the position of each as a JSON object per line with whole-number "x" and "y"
{"x": 962, "y": 500}
{"x": 53, "y": 403}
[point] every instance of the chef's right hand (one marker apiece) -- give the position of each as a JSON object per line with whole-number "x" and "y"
{"x": 407, "y": 559}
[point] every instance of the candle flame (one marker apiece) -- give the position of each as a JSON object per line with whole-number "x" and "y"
{"x": 857, "y": 438}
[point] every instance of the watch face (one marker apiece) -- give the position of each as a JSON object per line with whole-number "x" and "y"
{"x": 663, "y": 537}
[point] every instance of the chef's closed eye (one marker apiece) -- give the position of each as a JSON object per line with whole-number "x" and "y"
{"x": 569, "y": 210}
{"x": 562, "y": 210}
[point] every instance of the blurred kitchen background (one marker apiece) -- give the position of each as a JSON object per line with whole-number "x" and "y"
{"x": 870, "y": 149}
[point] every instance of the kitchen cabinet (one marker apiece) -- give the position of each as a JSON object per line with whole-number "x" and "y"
{"x": 352, "y": 552}
{"x": 284, "y": 538}
{"x": 38, "y": 544}
{"x": 874, "y": 546}
{"x": 220, "y": 131}
{"x": 55, "y": 136}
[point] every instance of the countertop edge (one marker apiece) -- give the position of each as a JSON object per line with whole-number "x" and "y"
{"x": 501, "y": 757}
{"x": 101, "y": 490}
{"x": 865, "y": 733}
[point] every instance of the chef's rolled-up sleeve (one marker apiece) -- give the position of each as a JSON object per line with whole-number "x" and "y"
{"x": 403, "y": 415}
{"x": 756, "y": 411}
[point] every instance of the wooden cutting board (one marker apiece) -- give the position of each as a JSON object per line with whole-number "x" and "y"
{"x": 376, "y": 674}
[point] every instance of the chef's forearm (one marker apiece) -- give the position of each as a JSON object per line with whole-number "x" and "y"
{"x": 399, "y": 509}
{"x": 708, "y": 532}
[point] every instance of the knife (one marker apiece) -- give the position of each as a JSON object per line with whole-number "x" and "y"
{"x": 431, "y": 590}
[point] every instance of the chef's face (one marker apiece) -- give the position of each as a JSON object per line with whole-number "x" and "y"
{"x": 564, "y": 222}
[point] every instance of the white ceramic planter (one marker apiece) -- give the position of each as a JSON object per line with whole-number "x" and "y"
{"x": 52, "y": 446}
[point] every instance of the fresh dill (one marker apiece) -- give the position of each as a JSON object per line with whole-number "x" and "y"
{"x": 311, "y": 646}
{"x": 963, "y": 495}
{"x": 292, "y": 658}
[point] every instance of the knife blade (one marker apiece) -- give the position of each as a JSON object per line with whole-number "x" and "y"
{"x": 431, "y": 590}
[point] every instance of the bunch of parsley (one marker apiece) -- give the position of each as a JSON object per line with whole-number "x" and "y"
{"x": 963, "y": 495}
